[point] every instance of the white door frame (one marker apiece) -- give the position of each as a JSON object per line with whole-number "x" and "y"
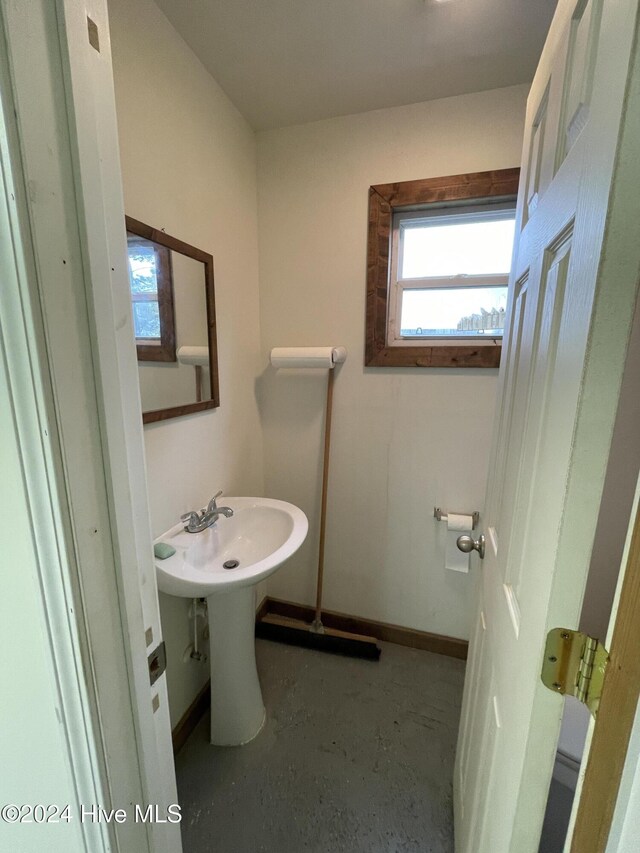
{"x": 68, "y": 349}
{"x": 39, "y": 575}
{"x": 69, "y": 309}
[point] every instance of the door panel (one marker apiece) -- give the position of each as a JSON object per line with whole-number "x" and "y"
{"x": 567, "y": 328}
{"x": 480, "y": 824}
{"x": 474, "y": 667}
{"x": 524, "y": 356}
{"x": 521, "y": 303}
{"x": 487, "y": 833}
{"x": 472, "y": 782}
{"x": 537, "y": 147}
{"x": 582, "y": 51}
{"x": 547, "y": 332}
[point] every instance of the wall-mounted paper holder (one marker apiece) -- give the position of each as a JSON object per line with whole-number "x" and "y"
{"x": 439, "y": 515}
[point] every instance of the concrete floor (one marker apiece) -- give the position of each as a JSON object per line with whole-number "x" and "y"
{"x": 355, "y": 757}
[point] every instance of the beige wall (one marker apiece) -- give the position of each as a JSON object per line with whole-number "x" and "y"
{"x": 404, "y": 440}
{"x": 189, "y": 166}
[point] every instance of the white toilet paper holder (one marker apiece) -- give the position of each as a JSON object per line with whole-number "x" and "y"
{"x": 439, "y": 515}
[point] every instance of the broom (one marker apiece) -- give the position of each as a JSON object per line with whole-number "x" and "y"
{"x": 296, "y": 632}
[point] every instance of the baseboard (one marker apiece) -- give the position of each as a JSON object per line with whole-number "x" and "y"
{"x": 437, "y": 643}
{"x": 191, "y": 718}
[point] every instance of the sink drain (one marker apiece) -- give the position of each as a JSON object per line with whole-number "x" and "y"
{"x": 231, "y": 564}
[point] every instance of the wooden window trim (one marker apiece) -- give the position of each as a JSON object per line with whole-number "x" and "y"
{"x": 384, "y": 201}
{"x": 166, "y": 349}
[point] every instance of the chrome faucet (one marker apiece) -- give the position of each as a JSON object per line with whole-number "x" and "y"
{"x": 196, "y": 522}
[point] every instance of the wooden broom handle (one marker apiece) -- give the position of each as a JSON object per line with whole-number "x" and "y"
{"x": 325, "y": 482}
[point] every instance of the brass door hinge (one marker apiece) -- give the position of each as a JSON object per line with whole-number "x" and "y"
{"x": 575, "y": 663}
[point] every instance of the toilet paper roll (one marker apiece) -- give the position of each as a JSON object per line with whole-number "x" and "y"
{"x": 456, "y": 521}
{"x": 323, "y": 357}
{"x": 455, "y": 559}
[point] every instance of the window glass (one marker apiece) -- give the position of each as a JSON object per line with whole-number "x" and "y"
{"x": 146, "y": 320}
{"x": 143, "y": 276}
{"x": 142, "y": 263}
{"x": 432, "y": 247}
{"x": 455, "y": 311}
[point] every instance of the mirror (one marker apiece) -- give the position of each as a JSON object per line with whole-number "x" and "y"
{"x": 174, "y": 322}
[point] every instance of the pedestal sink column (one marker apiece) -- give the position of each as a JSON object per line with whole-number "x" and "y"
{"x": 237, "y": 709}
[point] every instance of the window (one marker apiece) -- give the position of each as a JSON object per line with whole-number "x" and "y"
{"x": 449, "y": 273}
{"x": 439, "y": 254}
{"x": 151, "y": 283}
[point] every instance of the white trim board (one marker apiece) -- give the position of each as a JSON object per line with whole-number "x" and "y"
{"x": 69, "y": 220}
{"x": 43, "y": 643}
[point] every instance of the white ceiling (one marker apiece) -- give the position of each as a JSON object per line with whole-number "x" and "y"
{"x": 286, "y": 62}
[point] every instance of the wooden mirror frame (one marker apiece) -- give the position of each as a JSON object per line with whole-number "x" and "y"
{"x": 134, "y": 226}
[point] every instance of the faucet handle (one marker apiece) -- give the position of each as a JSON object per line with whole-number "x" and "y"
{"x": 190, "y": 518}
{"x": 212, "y": 502}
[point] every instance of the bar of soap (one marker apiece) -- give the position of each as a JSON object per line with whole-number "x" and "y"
{"x": 162, "y": 550}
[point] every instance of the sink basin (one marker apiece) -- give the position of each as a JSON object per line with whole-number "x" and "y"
{"x": 260, "y": 535}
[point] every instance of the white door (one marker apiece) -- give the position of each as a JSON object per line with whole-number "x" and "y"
{"x": 572, "y": 292}
{"x": 57, "y": 87}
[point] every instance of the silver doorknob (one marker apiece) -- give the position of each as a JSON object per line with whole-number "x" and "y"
{"x": 467, "y": 544}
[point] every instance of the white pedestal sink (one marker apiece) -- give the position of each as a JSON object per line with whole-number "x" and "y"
{"x": 260, "y": 535}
